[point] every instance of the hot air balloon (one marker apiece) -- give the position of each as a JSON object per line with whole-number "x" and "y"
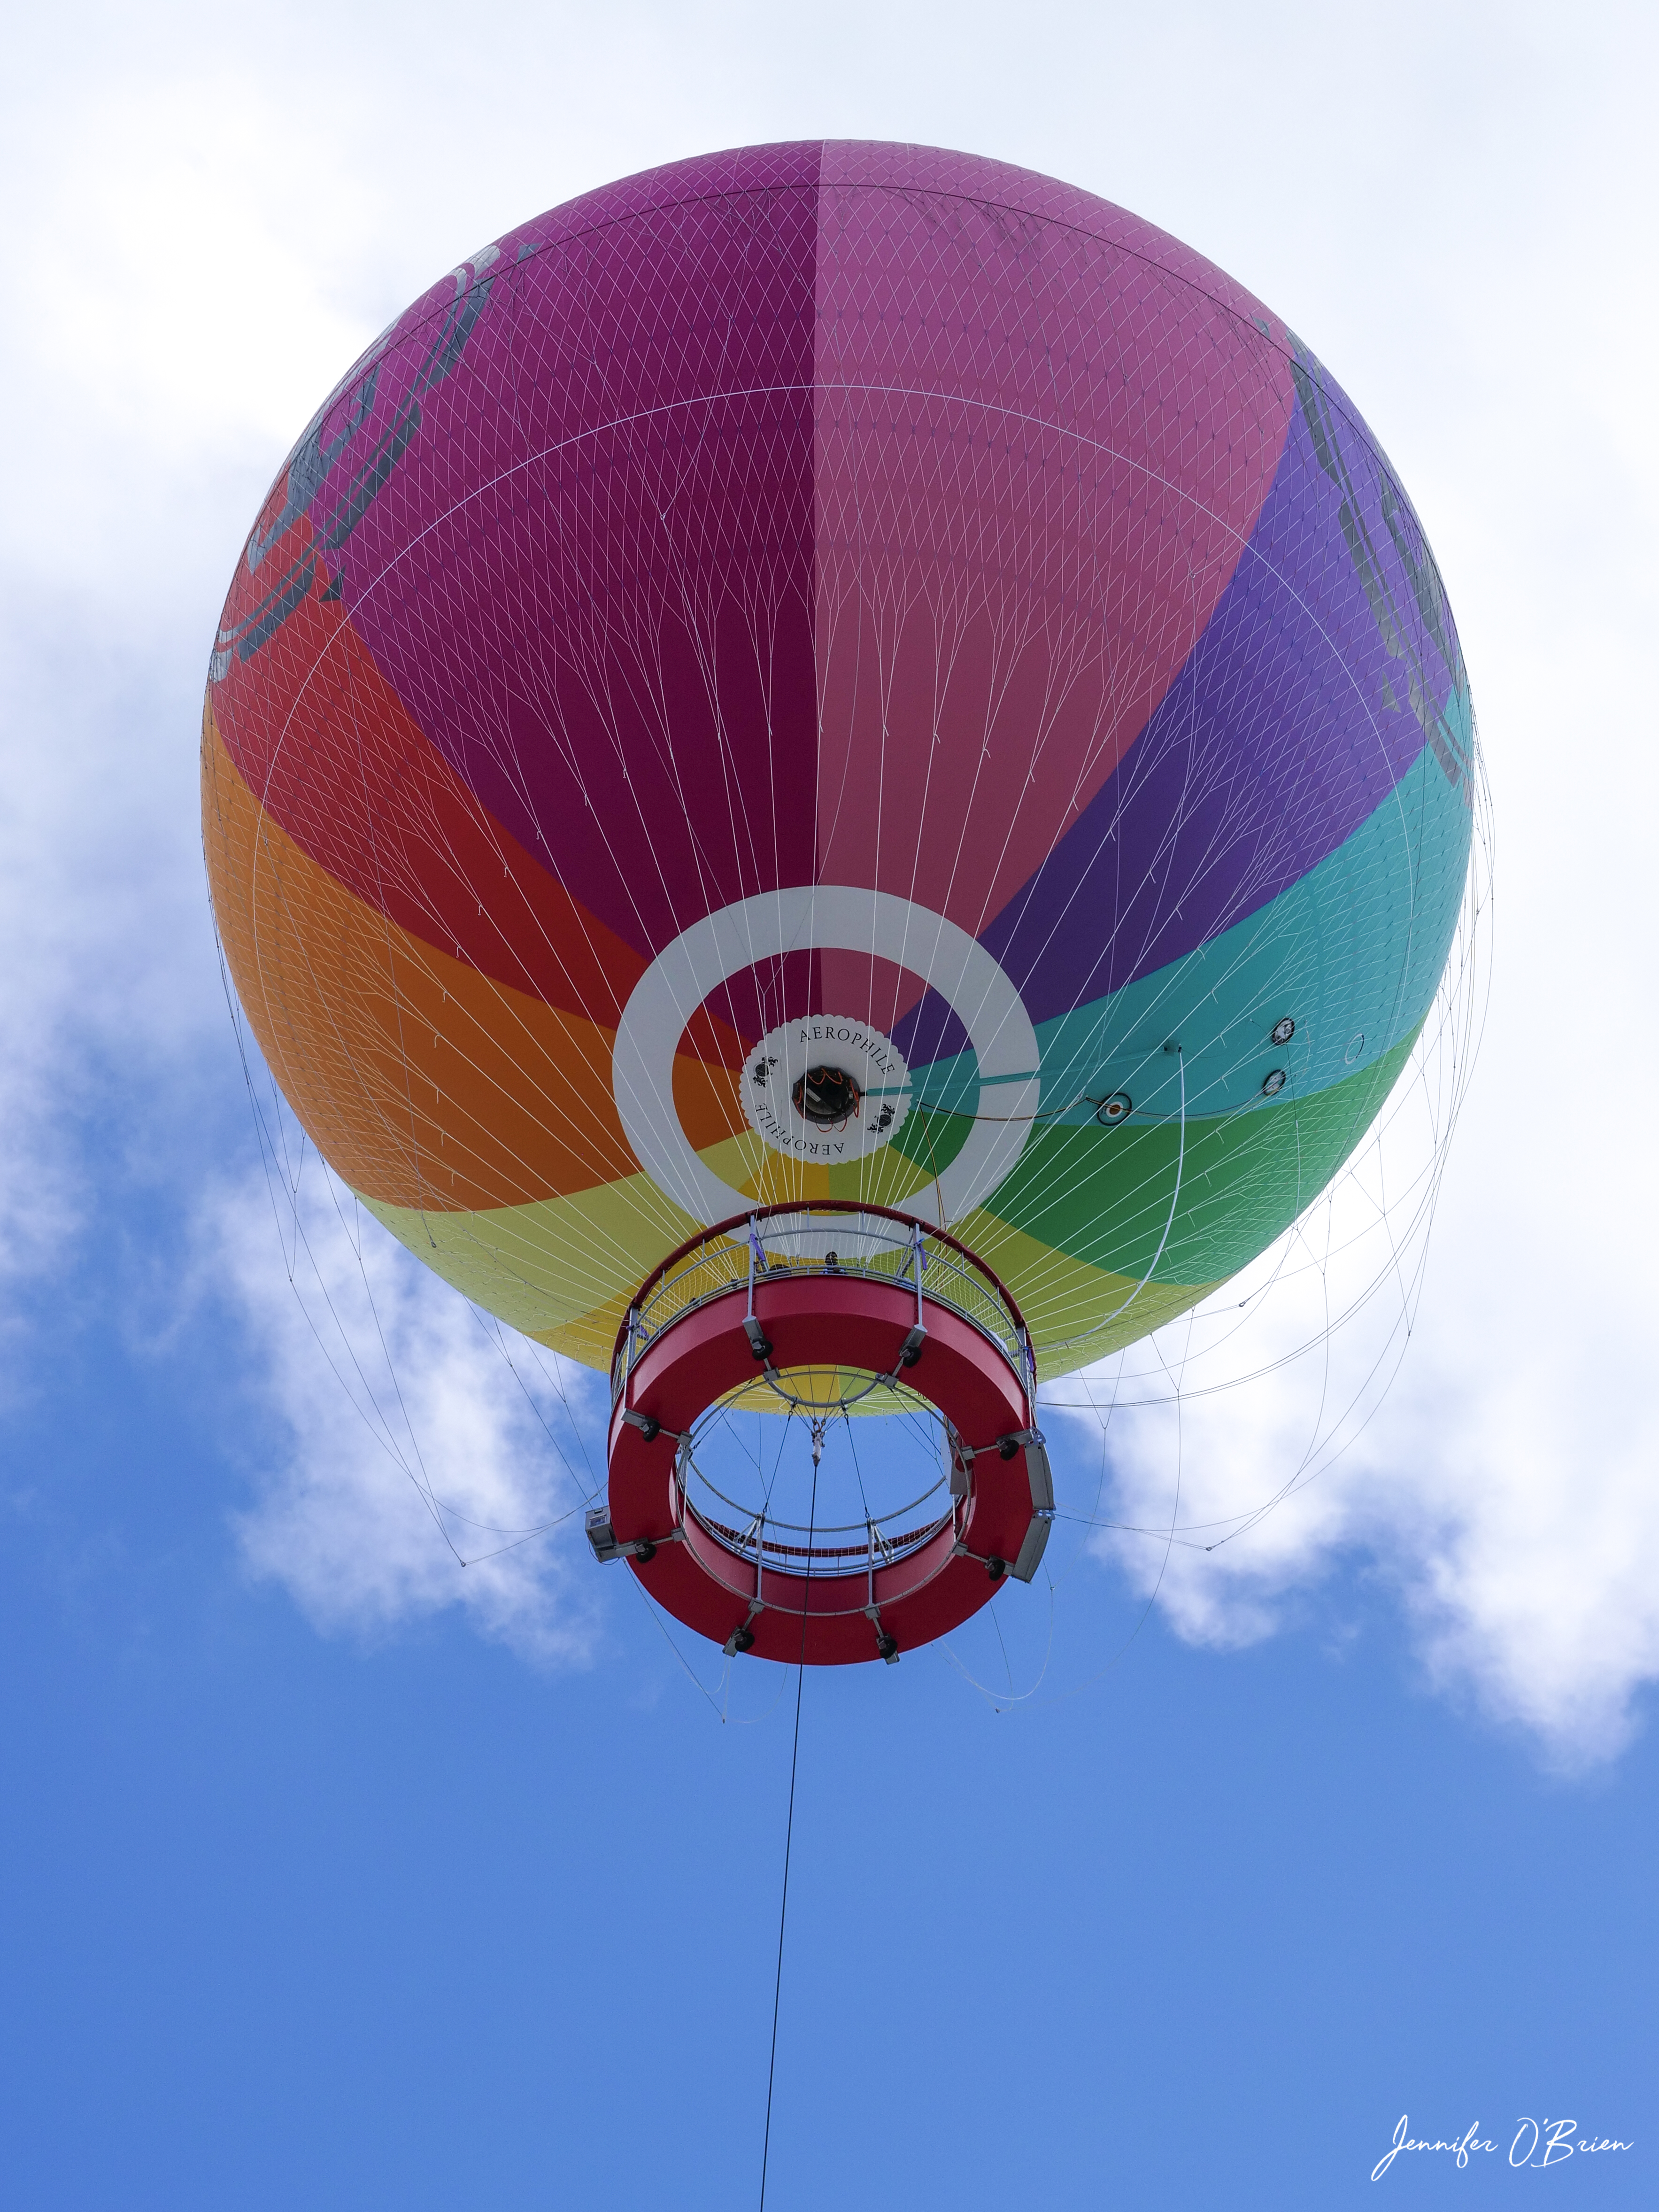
{"x": 835, "y": 777}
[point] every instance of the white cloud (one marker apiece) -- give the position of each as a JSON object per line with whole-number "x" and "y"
{"x": 1519, "y": 1529}
{"x": 107, "y": 972}
{"x": 1505, "y": 1491}
{"x": 424, "y": 1459}
{"x": 1539, "y": 1506}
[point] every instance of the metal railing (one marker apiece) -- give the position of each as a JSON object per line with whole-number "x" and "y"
{"x": 828, "y": 1236}
{"x": 789, "y": 1548}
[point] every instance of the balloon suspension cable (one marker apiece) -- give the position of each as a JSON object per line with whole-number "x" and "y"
{"x": 818, "y": 1428}
{"x": 1175, "y": 1201}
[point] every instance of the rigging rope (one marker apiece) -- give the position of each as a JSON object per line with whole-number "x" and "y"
{"x": 789, "y": 1825}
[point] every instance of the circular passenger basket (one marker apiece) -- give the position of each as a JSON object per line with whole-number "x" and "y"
{"x": 821, "y": 1309}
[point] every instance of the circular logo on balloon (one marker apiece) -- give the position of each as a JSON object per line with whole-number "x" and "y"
{"x": 826, "y": 1069}
{"x": 827, "y": 1088}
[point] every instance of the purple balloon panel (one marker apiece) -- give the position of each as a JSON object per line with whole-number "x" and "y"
{"x": 1322, "y": 675}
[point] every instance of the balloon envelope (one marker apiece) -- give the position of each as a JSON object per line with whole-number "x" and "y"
{"x": 837, "y": 669}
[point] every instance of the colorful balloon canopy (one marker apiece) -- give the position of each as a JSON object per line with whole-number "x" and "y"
{"x": 837, "y": 669}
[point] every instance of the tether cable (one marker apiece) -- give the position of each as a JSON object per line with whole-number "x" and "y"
{"x": 789, "y": 1825}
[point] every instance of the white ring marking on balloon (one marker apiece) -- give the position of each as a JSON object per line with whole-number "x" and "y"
{"x": 832, "y": 918}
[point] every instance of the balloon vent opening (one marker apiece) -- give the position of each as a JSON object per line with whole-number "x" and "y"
{"x": 827, "y": 1096}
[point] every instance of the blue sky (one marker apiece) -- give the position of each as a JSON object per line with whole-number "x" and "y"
{"x": 337, "y": 1872}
